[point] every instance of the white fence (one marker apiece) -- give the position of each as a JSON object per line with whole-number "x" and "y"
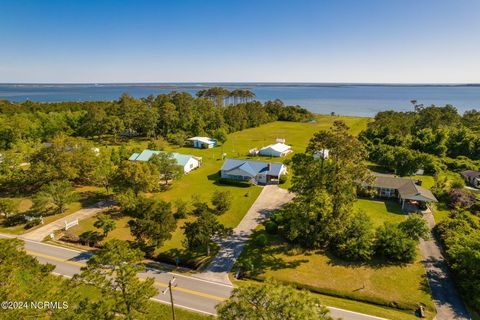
{"x": 68, "y": 225}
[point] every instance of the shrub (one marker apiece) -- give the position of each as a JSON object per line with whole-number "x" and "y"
{"x": 393, "y": 244}
{"x": 283, "y": 178}
{"x": 181, "y": 210}
{"x": 356, "y": 243}
{"x": 271, "y": 227}
{"x": 461, "y": 199}
{"x": 70, "y": 237}
{"x": 222, "y": 201}
{"x": 33, "y": 222}
{"x": 90, "y": 238}
{"x": 14, "y": 220}
{"x": 261, "y": 240}
{"x": 415, "y": 227}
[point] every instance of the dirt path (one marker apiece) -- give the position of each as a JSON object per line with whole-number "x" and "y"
{"x": 42, "y": 232}
{"x": 271, "y": 198}
{"x": 447, "y": 301}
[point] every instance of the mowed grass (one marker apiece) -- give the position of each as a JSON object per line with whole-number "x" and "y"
{"x": 381, "y": 211}
{"x": 356, "y": 306}
{"x": 401, "y": 286}
{"x": 203, "y": 182}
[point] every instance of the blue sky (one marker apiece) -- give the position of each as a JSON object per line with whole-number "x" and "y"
{"x": 395, "y": 41}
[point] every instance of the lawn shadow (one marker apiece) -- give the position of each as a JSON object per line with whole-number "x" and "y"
{"x": 374, "y": 263}
{"x": 393, "y": 207}
{"x": 264, "y": 252}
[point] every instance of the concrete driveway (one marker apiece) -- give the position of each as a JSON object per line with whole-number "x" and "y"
{"x": 44, "y": 231}
{"x": 271, "y": 198}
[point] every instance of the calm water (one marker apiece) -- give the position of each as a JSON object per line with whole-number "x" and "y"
{"x": 361, "y": 100}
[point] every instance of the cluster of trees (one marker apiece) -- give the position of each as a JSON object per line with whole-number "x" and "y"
{"x": 174, "y": 116}
{"x": 322, "y": 214}
{"x": 110, "y": 277}
{"x": 116, "y": 292}
{"x": 272, "y": 301}
{"x": 460, "y": 234}
{"x": 434, "y": 138}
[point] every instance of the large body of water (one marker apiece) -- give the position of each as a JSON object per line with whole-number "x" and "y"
{"x": 344, "y": 99}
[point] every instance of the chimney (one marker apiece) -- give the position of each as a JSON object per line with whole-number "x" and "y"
{"x": 269, "y": 166}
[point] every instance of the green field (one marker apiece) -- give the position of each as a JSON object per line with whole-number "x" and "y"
{"x": 203, "y": 181}
{"x": 401, "y": 286}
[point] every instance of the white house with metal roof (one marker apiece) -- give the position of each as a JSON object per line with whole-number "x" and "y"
{"x": 203, "y": 142}
{"x": 278, "y": 149}
{"x": 186, "y": 161}
{"x": 256, "y": 171}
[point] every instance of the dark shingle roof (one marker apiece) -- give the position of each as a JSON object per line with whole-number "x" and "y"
{"x": 470, "y": 173}
{"x": 407, "y": 188}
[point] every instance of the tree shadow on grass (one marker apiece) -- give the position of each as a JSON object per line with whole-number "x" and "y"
{"x": 264, "y": 252}
{"x": 374, "y": 263}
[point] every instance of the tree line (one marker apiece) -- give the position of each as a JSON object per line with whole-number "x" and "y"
{"x": 433, "y": 138}
{"x": 173, "y": 116}
{"x": 322, "y": 216}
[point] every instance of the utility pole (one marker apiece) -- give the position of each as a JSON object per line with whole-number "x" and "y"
{"x": 170, "y": 283}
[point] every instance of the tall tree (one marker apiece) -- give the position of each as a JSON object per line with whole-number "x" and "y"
{"x": 136, "y": 176}
{"x": 105, "y": 222}
{"x": 113, "y": 270}
{"x": 199, "y": 234}
{"x": 167, "y": 167}
{"x": 56, "y": 196}
{"x": 153, "y": 223}
{"x": 330, "y": 183}
{"x": 272, "y": 301}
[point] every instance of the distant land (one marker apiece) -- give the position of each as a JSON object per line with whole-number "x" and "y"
{"x": 358, "y": 99}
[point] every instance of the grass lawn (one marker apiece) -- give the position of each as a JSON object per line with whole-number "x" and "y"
{"x": 203, "y": 181}
{"x": 87, "y": 197}
{"x": 400, "y": 286}
{"x": 356, "y": 306}
{"x": 381, "y": 211}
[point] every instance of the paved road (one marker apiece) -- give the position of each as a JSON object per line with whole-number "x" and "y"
{"x": 44, "y": 231}
{"x": 271, "y": 198}
{"x": 191, "y": 293}
{"x": 447, "y": 301}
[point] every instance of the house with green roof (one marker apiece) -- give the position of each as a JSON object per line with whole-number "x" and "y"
{"x": 186, "y": 161}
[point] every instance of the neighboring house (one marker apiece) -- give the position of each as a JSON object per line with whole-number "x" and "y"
{"x": 203, "y": 142}
{"x": 186, "y": 161}
{"x": 278, "y": 149}
{"x": 255, "y": 171}
{"x": 403, "y": 189}
{"x": 471, "y": 177}
{"x": 323, "y": 153}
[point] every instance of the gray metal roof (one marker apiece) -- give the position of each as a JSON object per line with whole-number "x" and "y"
{"x": 253, "y": 167}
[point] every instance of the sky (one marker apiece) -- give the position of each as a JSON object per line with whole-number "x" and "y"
{"x": 368, "y": 41}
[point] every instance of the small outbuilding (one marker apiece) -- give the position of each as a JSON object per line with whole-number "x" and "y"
{"x": 278, "y": 149}
{"x": 186, "y": 161}
{"x": 202, "y": 142}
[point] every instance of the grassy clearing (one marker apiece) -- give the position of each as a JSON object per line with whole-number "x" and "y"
{"x": 381, "y": 211}
{"x": 356, "y": 306}
{"x": 203, "y": 181}
{"x": 399, "y": 286}
{"x": 87, "y": 196}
